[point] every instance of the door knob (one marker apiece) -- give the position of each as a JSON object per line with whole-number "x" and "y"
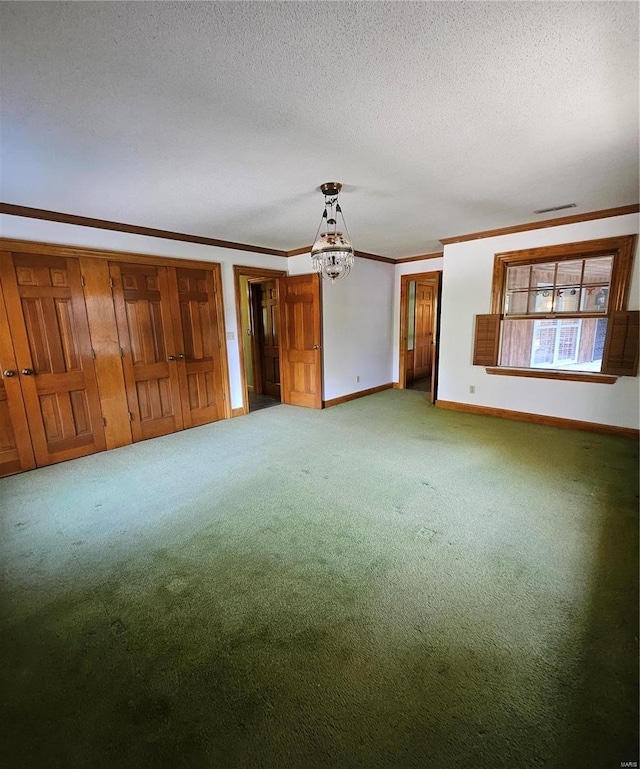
{"x": 171, "y": 357}
{"x": 28, "y": 371}
{"x": 8, "y": 373}
{"x": 316, "y": 346}
{"x": 180, "y": 356}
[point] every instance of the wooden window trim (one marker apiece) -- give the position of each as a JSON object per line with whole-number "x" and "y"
{"x": 570, "y": 376}
{"x": 622, "y": 248}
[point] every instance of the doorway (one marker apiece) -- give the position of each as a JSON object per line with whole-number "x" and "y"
{"x": 419, "y": 316}
{"x": 257, "y": 305}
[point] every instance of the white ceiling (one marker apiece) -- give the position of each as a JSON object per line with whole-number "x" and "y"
{"x": 222, "y": 119}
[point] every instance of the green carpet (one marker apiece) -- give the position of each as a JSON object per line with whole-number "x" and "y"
{"x": 378, "y": 585}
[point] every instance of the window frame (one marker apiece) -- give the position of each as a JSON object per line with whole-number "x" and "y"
{"x": 622, "y": 248}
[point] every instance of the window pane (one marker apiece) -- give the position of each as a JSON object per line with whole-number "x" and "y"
{"x": 598, "y": 270}
{"x": 568, "y": 335}
{"x": 543, "y": 275}
{"x": 595, "y": 299}
{"x": 565, "y": 287}
{"x": 518, "y": 277}
{"x": 567, "y": 299}
{"x": 515, "y": 349}
{"x": 541, "y": 301}
{"x": 572, "y": 344}
{"x": 516, "y": 303}
{"x": 544, "y": 342}
{"x": 569, "y": 273}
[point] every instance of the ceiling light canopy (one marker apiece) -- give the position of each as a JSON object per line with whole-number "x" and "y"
{"x": 332, "y": 254}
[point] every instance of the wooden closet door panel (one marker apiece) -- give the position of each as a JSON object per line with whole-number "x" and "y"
{"x": 143, "y": 315}
{"x": 16, "y": 452}
{"x": 48, "y": 321}
{"x": 194, "y": 299}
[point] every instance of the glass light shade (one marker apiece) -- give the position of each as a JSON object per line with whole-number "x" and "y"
{"x": 332, "y": 256}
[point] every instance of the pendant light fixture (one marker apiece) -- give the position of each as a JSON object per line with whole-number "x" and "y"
{"x": 332, "y": 254}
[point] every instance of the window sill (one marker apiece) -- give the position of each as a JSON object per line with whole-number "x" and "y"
{"x": 571, "y": 376}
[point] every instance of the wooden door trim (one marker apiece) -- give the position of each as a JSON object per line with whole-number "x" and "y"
{"x": 240, "y": 271}
{"x": 108, "y": 360}
{"x": 404, "y": 302}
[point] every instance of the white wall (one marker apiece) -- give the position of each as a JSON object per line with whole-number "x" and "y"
{"x": 357, "y": 320}
{"x": 408, "y": 268}
{"x": 22, "y": 228}
{"x": 466, "y": 291}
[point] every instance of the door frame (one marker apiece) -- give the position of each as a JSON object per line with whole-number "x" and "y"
{"x": 436, "y": 278}
{"x": 252, "y": 273}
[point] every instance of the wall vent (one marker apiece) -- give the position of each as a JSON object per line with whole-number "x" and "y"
{"x": 554, "y": 208}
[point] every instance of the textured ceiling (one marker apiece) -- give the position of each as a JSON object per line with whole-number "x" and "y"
{"x": 221, "y": 119}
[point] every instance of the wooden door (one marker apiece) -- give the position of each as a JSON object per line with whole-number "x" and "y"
{"x": 145, "y": 329}
{"x": 264, "y": 302}
{"x": 301, "y": 333}
{"x": 48, "y": 321}
{"x": 16, "y": 453}
{"x": 422, "y": 353}
{"x": 197, "y": 345}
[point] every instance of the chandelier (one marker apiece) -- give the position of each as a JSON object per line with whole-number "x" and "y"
{"x": 332, "y": 254}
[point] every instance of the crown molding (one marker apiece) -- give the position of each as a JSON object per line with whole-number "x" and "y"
{"x": 419, "y": 257}
{"x": 298, "y": 251}
{"x": 360, "y": 254}
{"x": 105, "y": 224}
{"x": 558, "y": 221}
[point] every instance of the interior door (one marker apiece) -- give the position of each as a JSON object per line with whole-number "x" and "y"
{"x": 301, "y": 336}
{"x": 145, "y": 329}
{"x": 422, "y": 355}
{"x": 16, "y": 453}
{"x": 197, "y": 345}
{"x": 48, "y": 321}
{"x": 264, "y": 295}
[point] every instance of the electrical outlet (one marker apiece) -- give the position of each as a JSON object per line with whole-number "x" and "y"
{"x": 472, "y": 389}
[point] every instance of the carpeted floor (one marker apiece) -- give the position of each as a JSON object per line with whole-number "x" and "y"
{"x": 378, "y": 585}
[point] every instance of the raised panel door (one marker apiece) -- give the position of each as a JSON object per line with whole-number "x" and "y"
{"x": 16, "y": 453}
{"x": 423, "y": 330}
{"x": 48, "y": 321}
{"x": 197, "y": 345}
{"x": 145, "y": 329}
{"x": 300, "y": 340}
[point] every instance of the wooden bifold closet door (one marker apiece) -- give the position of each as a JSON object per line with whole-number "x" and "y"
{"x": 54, "y": 367}
{"x": 16, "y": 453}
{"x": 98, "y": 351}
{"x": 167, "y": 325}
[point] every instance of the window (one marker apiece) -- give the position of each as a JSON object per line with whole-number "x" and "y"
{"x": 560, "y": 310}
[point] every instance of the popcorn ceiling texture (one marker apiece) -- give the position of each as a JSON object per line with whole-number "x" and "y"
{"x": 221, "y": 119}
